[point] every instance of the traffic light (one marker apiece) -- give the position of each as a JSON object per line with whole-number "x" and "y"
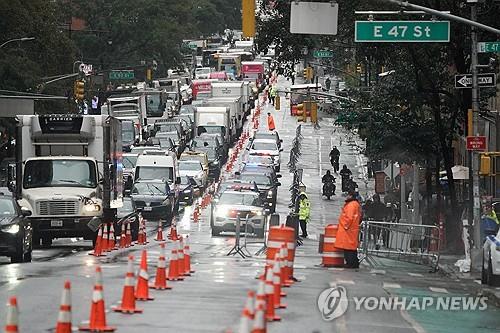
{"x": 359, "y": 69}
{"x": 485, "y": 165}
{"x": 79, "y": 90}
{"x": 306, "y": 73}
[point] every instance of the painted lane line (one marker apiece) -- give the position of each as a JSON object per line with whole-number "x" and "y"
{"x": 438, "y": 290}
{"x": 386, "y": 285}
{"x": 377, "y": 271}
{"x": 416, "y": 274}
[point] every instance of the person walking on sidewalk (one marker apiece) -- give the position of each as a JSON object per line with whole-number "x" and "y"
{"x": 348, "y": 232}
{"x": 270, "y": 122}
{"x": 273, "y": 92}
{"x": 304, "y": 212}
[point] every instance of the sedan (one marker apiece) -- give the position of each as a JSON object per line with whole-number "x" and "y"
{"x": 231, "y": 205}
{"x": 15, "y": 230}
{"x": 194, "y": 169}
{"x": 268, "y": 187}
{"x": 266, "y": 147}
{"x": 154, "y": 199}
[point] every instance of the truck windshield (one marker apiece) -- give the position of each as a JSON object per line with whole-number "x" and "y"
{"x": 154, "y": 172}
{"x": 59, "y": 173}
{"x": 211, "y": 130}
{"x": 128, "y": 132}
{"x": 153, "y": 106}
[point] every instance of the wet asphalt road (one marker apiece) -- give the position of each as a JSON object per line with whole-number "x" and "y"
{"x": 211, "y": 300}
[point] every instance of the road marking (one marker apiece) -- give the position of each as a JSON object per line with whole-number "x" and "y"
{"x": 338, "y": 269}
{"x": 319, "y": 157}
{"x": 416, "y": 274}
{"x": 341, "y": 282}
{"x": 477, "y": 281}
{"x": 438, "y": 290}
{"x": 377, "y": 271}
{"x": 391, "y": 285}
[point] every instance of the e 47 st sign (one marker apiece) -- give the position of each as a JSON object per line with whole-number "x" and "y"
{"x": 402, "y": 31}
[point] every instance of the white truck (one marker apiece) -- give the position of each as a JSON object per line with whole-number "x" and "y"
{"x": 235, "y": 108}
{"x": 68, "y": 173}
{"x": 231, "y": 89}
{"x": 213, "y": 120}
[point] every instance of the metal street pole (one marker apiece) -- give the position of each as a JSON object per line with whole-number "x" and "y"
{"x": 24, "y": 39}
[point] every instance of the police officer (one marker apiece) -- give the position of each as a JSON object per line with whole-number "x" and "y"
{"x": 304, "y": 212}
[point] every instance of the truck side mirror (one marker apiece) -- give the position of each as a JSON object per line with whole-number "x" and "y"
{"x": 25, "y": 211}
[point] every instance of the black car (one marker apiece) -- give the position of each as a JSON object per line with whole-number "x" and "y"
{"x": 154, "y": 199}
{"x": 189, "y": 189}
{"x": 126, "y": 214}
{"x": 267, "y": 185}
{"x": 180, "y": 143}
{"x": 15, "y": 230}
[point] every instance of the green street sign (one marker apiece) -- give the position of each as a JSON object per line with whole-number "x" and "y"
{"x": 484, "y": 47}
{"x": 402, "y": 31}
{"x": 192, "y": 46}
{"x": 121, "y": 75}
{"x": 322, "y": 54}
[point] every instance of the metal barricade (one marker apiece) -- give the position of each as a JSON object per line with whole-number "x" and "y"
{"x": 413, "y": 243}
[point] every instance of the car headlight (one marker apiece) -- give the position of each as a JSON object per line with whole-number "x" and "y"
{"x": 221, "y": 212}
{"x": 257, "y": 212}
{"x": 12, "y": 229}
{"x": 270, "y": 193}
{"x": 92, "y": 208}
{"x": 187, "y": 191}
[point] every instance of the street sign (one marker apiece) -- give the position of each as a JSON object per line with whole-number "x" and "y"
{"x": 476, "y": 143}
{"x": 192, "y": 46}
{"x": 484, "y": 80}
{"x": 484, "y": 47}
{"x": 402, "y": 31}
{"x": 392, "y": 173}
{"x": 322, "y": 54}
{"x": 121, "y": 75}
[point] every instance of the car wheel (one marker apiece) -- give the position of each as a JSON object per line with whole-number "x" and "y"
{"x": 216, "y": 231}
{"x": 484, "y": 274}
{"x": 493, "y": 280}
{"x": 28, "y": 255}
{"x": 46, "y": 241}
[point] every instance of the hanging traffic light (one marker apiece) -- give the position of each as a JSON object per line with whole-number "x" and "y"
{"x": 359, "y": 69}
{"x": 79, "y": 90}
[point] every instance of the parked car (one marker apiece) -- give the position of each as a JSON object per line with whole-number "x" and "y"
{"x": 490, "y": 272}
{"x": 266, "y": 147}
{"x": 232, "y": 204}
{"x": 16, "y": 233}
{"x": 154, "y": 199}
{"x": 195, "y": 170}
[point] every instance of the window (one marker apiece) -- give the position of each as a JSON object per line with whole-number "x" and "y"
{"x": 190, "y": 166}
{"x": 59, "y": 173}
{"x": 150, "y": 189}
{"x": 258, "y": 179}
{"x": 231, "y": 198}
{"x": 264, "y": 146}
{"x": 129, "y": 161}
{"x": 154, "y": 172}
{"x": 7, "y": 207}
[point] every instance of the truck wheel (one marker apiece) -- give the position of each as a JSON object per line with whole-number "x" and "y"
{"x": 46, "y": 242}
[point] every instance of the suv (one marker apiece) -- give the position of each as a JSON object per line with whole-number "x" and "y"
{"x": 266, "y": 147}
{"x": 154, "y": 199}
{"x": 178, "y": 139}
{"x": 268, "y": 187}
{"x": 234, "y": 204}
{"x": 15, "y": 230}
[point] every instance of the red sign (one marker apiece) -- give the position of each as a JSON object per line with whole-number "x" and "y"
{"x": 476, "y": 143}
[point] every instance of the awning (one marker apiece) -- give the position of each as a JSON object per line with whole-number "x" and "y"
{"x": 460, "y": 172}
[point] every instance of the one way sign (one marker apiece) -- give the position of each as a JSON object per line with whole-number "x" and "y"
{"x": 483, "y": 80}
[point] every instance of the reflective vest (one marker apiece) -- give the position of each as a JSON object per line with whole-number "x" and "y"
{"x": 304, "y": 208}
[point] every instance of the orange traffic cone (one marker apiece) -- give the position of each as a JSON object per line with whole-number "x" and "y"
{"x": 286, "y": 271}
{"x": 97, "y": 321}
{"x": 187, "y": 256}
{"x": 180, "y": 257}
{"x": 128, "y": 236}
{"x": 11, "y": 325}
{"x": 98, "y": 244}
{"x": 105, "y": 237}
{"x": 173, "y": 230}
{"x": 140, "y": 235}
{"x": 159, "y": 234}
{"x": 112, "y": 239}
{"x": 270, "y": 313}
{"x": 277, "y": 283}
{"x": 247, "y": 315}
{"x": 64, "y": 318}
{"x": 173, "y": 268}
{"x": 196, "y": 214}
{"x": 161, "y": 271}
{"x": 128, "y": 296}
{"x": 142, "y": 289}
{"x": 259, "y": 324}
{"x": 123, "y": 236}
{"x": 260, "y": 297}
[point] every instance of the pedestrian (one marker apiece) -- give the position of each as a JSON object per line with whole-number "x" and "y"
{"x": 94, "y": 104}
{"x": 328, "y": 83}
{"x": 270, "y": 122}
{"x": 273, "y": 94}
{"x": 348, "y": 231}
{"x": 345, "y": 173}
{"x": 293, "y": 78}
{"x": 304, "y": 212}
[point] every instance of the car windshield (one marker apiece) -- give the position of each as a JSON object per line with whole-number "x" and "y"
{"x": 264, "y": 135}
{"x": 259, "y": 179}
{"x": 153, "y": 106}
{"x": 129, "y": 161}
{"x": 166, "y": 144}
{"x": 243, "y": 198}
{"x": 199, "y": 158}
{"x": 186, "y": 109}
{"x": 171, "y": 135}
{"x": 200, "y": 143}
{"x": 153, "y": 172}
{"x": 255, "y": 159}
{"x": 59, "y": 173}
{"x": 191, "y": 166}
{"x": 209, "y": 130}
{"x": 167, "y": 127}
{"x": 7, "y": 207}
{"x": 150, "y": 188}
{"x": 259, "y": 145}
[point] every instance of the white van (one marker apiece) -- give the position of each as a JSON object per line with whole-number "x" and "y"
{"x": 163, "y": 165}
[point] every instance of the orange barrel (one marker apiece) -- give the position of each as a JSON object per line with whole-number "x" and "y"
{"x": 331, "y": 257}
{"x": 276, "y": 238}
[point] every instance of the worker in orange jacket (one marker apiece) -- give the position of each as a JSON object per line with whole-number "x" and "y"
{"x": 270, "y": 122}
{"x": 348, "y": 232}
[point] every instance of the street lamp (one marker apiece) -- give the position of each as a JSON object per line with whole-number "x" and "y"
{"x": 24, "y": 39}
